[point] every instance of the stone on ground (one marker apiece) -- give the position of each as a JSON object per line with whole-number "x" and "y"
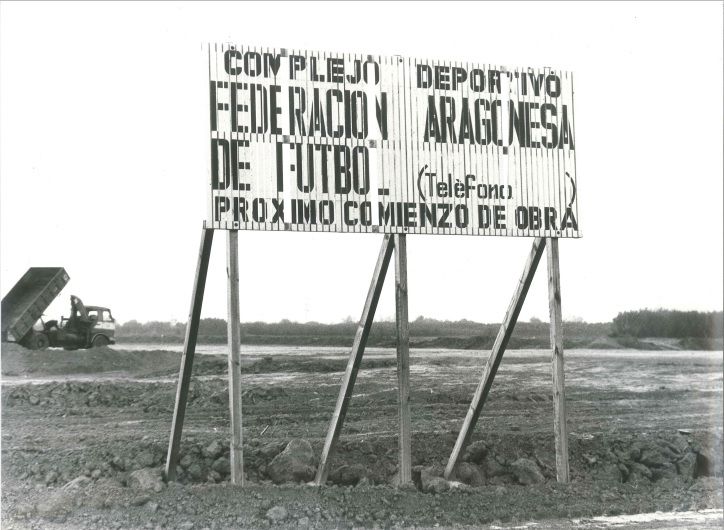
{"x": 295, "y": 464}
{"x": 146, "y": 479}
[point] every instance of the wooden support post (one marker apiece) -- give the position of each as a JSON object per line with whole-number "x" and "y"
{"x": 559, "y": 396}
{"x": 403, "y": 359}
{"x": 358, "y": 347}
{"x": 187, "y": 359}
{"x": 491, "y": 368}
{"x": 234, "y": 332}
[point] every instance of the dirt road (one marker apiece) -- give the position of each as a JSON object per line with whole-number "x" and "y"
{"x": 81, "y": 431}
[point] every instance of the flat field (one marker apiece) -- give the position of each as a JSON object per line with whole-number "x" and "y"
{"x": 77, "y": 427}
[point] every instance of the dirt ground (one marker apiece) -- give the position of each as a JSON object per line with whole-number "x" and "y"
{"x": 84, "y": 438}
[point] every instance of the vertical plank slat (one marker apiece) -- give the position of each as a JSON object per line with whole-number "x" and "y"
{"x": 187, "y": 358}
{"x": 496, "y": 354}
{"x": 360, "y": 341}
{"x": 234, "y": 337}
{"x": 403, "y": 359}
{"x": 559, "y": 396}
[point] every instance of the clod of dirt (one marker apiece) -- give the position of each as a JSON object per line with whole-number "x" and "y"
{"x": 686, "y": 466}
{"x": 140, "y": 500}
{"x": 476, "y": 452}
{"x": 431, "y": 480}
{"x": 118, "y": 463}
{"x": 709, "y": 458}
{"x": 436, "y": 485}
{"x": 527, "y": 472}
{"x": 57, "y": 503}
{"x": 222, "y": 466}
{"x": 195, "y": 471}
{"x": 276, "y": 514}
{"x": 51, "y": 477}
{"x": 469, "y": 474}
{"x": 271, "y": 449}
{"x": 493, "y": 468}
{"x": 652, "y": 457}
{"x": 144, "y": 459}
{"x": 146, "y": 479}
{"x": 25, "y": 509}
{"x": 347, "y": 475}
{"x": 213, "y": 450}
{"x": 295, "y": 464}
{"x": 638, "y": 473}
{"x": 186, "y": 461}
{"x": 665, "y": 472}
{"x": 610, "y": 472}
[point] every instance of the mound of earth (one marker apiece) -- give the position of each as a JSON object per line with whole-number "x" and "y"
{"x": 87, "y": 453}
{"x": 19, "y": 361}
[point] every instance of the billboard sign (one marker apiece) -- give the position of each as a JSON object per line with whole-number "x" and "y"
{"x": 336, "y": 142}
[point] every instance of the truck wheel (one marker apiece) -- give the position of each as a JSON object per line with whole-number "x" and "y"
{"x": 100, "y": 340}
{"x": 40, "y": 341}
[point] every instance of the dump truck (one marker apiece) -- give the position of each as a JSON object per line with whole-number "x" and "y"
{"x": 23, "y": 308}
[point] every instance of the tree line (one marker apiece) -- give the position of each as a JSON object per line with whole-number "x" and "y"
{"x": 215, "y": 329}
{"x": 641, "y": 323}
{"x": 669, "y": 323}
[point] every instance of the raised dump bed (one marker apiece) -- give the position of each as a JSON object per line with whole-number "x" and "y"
{"x": 29, "y": 298}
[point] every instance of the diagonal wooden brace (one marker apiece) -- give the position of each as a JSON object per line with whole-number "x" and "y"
{"x": 355, "y": 358}
{"x": 187, "y": 359}
{"x": 501, "y": 342}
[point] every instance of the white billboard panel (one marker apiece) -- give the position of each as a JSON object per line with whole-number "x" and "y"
{"x": 332, "y": 142}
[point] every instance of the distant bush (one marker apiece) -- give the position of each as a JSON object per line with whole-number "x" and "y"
{"x": 668, "y": 323}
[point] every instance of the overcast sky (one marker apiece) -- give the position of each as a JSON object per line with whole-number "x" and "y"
{"x": 104, "y": 157}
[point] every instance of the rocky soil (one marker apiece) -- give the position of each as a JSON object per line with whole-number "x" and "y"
{"x": 84, "y": 438}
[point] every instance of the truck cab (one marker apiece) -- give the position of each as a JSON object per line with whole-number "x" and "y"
{"x": 100, "y": 328}
{"x": 87, "y": 327}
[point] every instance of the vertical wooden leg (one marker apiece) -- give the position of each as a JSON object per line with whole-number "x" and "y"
{"x": 559, "y": 396}
{"x": 187, "y": 359}
{"x": 358, "y": 347}
{"x": 403, "y": 358}
{"x": 501, "y": 341}
{"x": 234, "y": 332}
